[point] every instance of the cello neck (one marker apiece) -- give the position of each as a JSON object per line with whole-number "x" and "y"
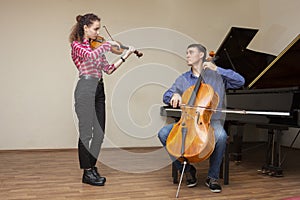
{"x": 195, "y": 91}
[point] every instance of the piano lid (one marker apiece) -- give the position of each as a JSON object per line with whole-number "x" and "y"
{"x": 284, "y": 71}
{"x": 233, "y": 54}
{"x": 260, "y": 70}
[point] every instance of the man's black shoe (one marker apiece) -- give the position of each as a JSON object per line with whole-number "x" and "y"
{"x": 213, "y": 185}
{"x": 191, "y": 180}
{"x": 96, "y": 173}
{"x": 89, "y": 178}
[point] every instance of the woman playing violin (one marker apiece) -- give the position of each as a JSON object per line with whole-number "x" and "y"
{"x": 219, "y": 79}
{"x": 89, "y": 93}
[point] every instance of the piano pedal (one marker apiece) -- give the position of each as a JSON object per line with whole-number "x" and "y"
{"x": 237, "y": 162}
{"x": 263, "y": 171}
{"x": 277, "y": 172}
{"x": 271, "y": 171}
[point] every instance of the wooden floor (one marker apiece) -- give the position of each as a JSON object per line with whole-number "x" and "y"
{"x": 54, "y": 174}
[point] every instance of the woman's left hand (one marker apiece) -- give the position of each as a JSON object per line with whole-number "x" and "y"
{"x": 129, "y": 51}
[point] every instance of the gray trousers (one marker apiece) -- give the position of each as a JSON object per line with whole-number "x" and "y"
{"x": 90, "y": 110}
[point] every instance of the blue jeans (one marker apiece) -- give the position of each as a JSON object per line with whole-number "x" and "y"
{"x": 216, "y": 157}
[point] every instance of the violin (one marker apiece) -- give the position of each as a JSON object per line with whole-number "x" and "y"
{"x": 192, "y": 137}
{"x": 95, "y": 43}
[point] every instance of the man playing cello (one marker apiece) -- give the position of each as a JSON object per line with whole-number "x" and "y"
{"x": 219, "y": 79}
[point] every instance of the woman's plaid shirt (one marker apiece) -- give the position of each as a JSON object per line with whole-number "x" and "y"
{"x": 88, "y": 61}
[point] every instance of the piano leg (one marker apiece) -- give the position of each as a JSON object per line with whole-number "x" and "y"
{"x": 272, "y": 165}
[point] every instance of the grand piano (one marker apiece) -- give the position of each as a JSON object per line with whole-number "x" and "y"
{"x": 272, "y": 91}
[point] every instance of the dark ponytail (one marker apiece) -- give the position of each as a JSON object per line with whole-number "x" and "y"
{"x": 77, "y": 32}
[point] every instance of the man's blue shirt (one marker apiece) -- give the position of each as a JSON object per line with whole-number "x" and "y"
{"x": 220, "y": 80}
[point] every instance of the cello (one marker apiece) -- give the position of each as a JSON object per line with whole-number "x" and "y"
{"x": 192, "y": 137}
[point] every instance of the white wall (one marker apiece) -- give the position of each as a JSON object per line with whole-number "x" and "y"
{"x": 278, "y": 25}
{"x": 38, "y": 76}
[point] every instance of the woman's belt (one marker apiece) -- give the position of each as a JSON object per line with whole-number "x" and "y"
{"x": 89, "y": 77}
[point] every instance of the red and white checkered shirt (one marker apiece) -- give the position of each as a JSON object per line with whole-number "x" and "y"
{"x": 88, "y": 61}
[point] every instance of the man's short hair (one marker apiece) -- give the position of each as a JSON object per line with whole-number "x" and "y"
{"x": 200, "y": 47}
